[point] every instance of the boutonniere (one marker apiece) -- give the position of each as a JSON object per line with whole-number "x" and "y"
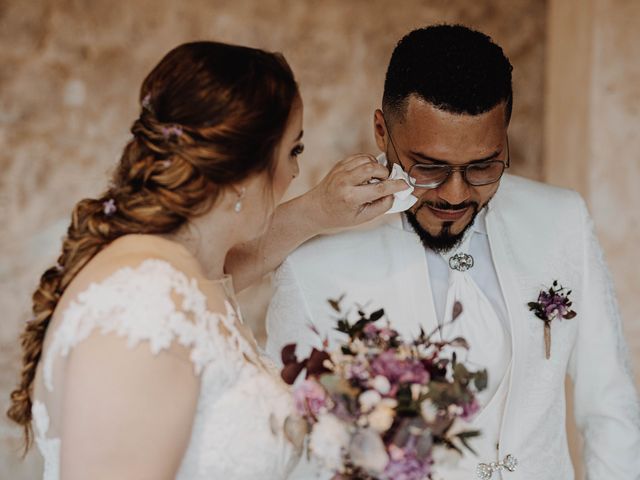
{"x": 552, "y": 303}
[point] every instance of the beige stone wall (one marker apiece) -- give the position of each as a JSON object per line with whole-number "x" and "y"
{"x": 68, "y": 87}
{"x": 592, "y": 132}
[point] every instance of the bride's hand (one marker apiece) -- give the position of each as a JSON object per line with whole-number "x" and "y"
{"x": 345, "y": 197}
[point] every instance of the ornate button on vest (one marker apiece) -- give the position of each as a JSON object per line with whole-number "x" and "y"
{"x": 461, "y": 262}
{"x": 485, "y": 470}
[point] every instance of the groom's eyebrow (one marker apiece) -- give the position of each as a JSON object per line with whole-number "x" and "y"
{"x": 300, "y": 135}
{"x": 421, "y": 157}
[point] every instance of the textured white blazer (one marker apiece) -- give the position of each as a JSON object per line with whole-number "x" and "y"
{"x": 537, "y": 234}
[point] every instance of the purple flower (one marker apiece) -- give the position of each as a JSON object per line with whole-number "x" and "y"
{"x": 554, "y": 305}
{"x": 470, "y": 409}
{"x": 405, "y": 465}
{"x": 109, "y": 207}
{"x": 171, "y": 131}
{"x": 399, "y": 371}
{"x": 310, "y": 398}
{"x": 370, "y": 330}
{"x": 357, "y": 371}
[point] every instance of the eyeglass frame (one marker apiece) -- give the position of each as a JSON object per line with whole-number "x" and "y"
{"x": 450, "y": 168}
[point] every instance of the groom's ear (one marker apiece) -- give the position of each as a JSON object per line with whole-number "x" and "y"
{"x": 380, "y": 130}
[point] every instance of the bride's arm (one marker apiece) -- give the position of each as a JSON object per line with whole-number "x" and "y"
{"x": 344, "y": 198}
{"x": 127, "y": 413}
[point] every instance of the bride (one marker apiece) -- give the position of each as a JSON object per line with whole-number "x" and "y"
{"x": 136, "y": 362}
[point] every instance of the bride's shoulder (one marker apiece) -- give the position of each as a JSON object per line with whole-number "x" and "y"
{"x": 140, "y": 269}
{"x": 124, "y": 298}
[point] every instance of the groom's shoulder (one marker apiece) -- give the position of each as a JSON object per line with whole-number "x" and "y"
{"x": 522, "y": 194}
{"x": 338, "y": 248}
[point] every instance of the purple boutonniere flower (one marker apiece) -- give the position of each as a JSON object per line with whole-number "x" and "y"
{"x": 552, "y": 303}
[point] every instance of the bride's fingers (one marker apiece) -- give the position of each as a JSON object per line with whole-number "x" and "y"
{"x": 369, "y": 211}
{"x": 366, "y": 172}
{"x": 358, "y": 160}
{"x": 372, "y": 192}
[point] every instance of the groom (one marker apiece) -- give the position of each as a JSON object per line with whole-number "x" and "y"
{"x": 488, "y": 240}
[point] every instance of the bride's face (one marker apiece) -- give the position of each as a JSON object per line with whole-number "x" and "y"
{"x": 265, "y": 191}
{"x": 290, "y": 147}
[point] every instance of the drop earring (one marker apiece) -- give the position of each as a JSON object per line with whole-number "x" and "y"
{"x": 238, "y": 205}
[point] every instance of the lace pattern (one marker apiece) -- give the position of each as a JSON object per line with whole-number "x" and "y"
{"x": 49, "y": 447}
{"x": 133, "y": 307}
{"x": 238, "y": 429}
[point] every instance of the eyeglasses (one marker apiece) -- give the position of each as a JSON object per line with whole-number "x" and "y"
{"x": 476, "y": 174}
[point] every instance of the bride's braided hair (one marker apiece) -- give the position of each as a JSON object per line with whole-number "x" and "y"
{"x": 212, "y": 114}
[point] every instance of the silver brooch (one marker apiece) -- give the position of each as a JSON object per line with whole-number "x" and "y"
{"x": 485, "y": 470}
{"x": 461, "y": 262}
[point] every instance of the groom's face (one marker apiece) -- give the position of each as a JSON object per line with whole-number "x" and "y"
{"x": 428, "y": 135}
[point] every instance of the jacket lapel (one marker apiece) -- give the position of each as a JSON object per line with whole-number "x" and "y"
{"x": 504, "y": 258}
{"x": 411, "y": 283}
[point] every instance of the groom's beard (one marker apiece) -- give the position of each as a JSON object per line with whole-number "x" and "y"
{"x": 443, "y": 241}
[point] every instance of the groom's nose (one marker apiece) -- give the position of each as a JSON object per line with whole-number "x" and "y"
{"x": 455, "y": 190}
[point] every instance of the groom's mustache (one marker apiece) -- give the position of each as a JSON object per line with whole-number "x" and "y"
{"x": 448, "y": 206}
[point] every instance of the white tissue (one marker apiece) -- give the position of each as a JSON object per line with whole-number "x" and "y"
{"x": 403, "y": 200}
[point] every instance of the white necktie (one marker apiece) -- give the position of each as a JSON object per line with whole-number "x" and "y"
{"x": 478, "y": 323}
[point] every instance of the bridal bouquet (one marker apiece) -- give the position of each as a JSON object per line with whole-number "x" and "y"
{"x": 379, "y": 407}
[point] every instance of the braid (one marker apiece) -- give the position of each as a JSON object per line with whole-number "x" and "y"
{"x": 154, "y": 190}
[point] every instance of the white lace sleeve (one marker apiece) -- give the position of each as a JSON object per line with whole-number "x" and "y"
{"x": 139, "y": 304}
{"x": 606, "y": 403}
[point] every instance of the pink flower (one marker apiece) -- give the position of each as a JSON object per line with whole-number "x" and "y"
{"x": 404, "y": 463}
{"x": 171, "y": 131}
{"x": 399, "y": 371}
{"x": 470, "y": 409}
{"x": 310, "y": 398}
{"x": 357, "y": 371}
{"x": 370, "y": 330}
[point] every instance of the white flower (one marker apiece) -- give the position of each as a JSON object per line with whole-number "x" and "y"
{"x": 455, "y": 410}
{"x": 368, "y": 452}
{"x": 359, "y": 347}
{"x": 381, "y": 384}
{"x": 329, "y": 440}
{"x": 416, "y": 390}
{"x": 444, "y": 457}
{"x": 404, "y": 351}
{"x": 428, "y": 411}
{"x": 369, "y": 399}
{"x": 382, "y": 417}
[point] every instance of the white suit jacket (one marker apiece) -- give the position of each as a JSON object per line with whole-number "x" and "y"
{"x": 537, "y": 234}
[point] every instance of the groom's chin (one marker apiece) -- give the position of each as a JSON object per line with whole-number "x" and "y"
{"x": 441, "y": 237}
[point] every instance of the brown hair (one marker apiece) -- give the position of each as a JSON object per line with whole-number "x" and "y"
{"x": 213, "y": 114}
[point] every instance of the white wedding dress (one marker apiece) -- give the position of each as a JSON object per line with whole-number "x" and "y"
{"x": 239, "y": 427}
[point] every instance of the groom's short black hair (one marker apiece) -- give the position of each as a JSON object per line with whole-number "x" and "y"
{"x": 452, "y": 67}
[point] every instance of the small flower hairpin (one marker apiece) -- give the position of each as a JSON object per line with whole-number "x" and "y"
{"x": 146, "y": 102}
{"x": 171, "y": 131}
{"x": 109, "y": 207}
{"x": 552, "y": 303}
